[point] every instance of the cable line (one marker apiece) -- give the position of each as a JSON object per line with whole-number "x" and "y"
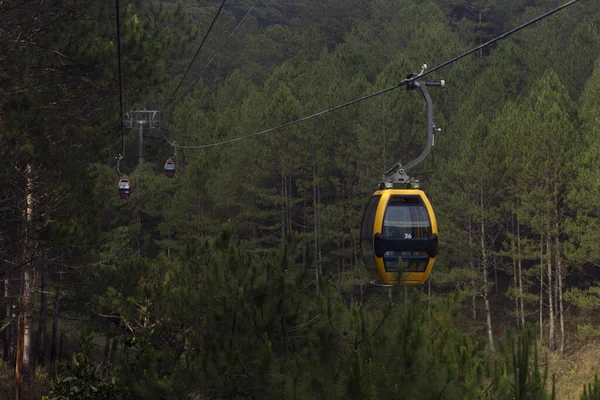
{"x": 208, "y": 63}
{"x": 404, "y": 82}
{"x": 197, "y": 52}
{"x": 287, "y": 123}
{"x": 120, "y": 78}
{"x": 496, "y": 39}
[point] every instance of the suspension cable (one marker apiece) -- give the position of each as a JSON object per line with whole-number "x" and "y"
{"x": 496, "y": 39}
{"x": 120, "y": 78}
{"x": 404, "y": 82}
{"x": 207, "y": 64}
{"x": 288, "y": 123}
{"x": 197, "y": 52}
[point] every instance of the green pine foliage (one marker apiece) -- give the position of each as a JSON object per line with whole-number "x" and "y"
{"x": 229, "y": 323}
{"x": 242, "y": 276}
{"x": 592, "y": 390}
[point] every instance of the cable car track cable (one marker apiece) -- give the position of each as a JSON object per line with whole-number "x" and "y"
{"x": 207, "y": 64}
{"x": 120, "y": 77}
{"x": 197, "y": 52}
{"x": 288, "y": 123}
{"x": 494, "y": 40}
{"x": 404, "y": 82}
{"x": 124, "y": 185}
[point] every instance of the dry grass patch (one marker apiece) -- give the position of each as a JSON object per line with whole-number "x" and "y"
{"x": 577, "y": 368}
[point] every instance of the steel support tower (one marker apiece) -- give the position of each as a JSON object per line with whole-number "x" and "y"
{"x": 145, "y": 119}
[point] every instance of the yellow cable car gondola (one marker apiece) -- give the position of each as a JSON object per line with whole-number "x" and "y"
{"x": 399, "y": 234}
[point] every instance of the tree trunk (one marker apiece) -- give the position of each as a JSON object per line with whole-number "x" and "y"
{"x": 283, "y": 189}
{"x": 514, "y": 257}
{"x": 106, "y": 354}
{"x": 472, "y": 266}
{"x": 41, "y": 341}
{"x": 429, "y": 300}
{"x": 479, "y": 39}
{"x": 289, "y": 206}
{"x": 484, "y": 267}
{"x": 24, "y": 347}
{"x": 384, "y": 125}
{"x": 55, "y": 318}
{"x": 113, "y": 350}
{"x": 541, "y": 285}
{"x": 362, "y": 295}
{"x": 551, "y": 343}
{"x": 561, "y": 314}
{"x": 316, "y": 219}
{"x": 520, "y": 268}
{"x": 284, "y": 336}
{"x": 14, "y": 329}
{"x": 19, "y": 356}
{"x": 488, "y": 313}
{"x": 60, "y": 345}
{"x": 559, "y": 279}
{"x": 27, "y": 311}
{"x": 320, "y": 252}
{"x": 7, "y": 330}
{"x": 496, "y": 278}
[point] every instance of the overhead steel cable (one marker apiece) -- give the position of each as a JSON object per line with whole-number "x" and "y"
{"x": 404, "y": 82}
{"x": 197, "y": 52}
{"x": 208, "y": 63}
{"x": 288, "y": 123}
{"x": 496, "y": 39}
{"x": 120, "y": 78}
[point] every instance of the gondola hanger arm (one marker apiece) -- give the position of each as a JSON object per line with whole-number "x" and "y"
{"x": 397, "y": 174}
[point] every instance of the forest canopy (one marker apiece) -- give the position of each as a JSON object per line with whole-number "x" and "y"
{"x": 242, "y": 276}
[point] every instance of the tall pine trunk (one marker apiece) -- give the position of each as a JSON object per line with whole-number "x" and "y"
{"x": 316, "y": 219}
{"x": 472, "y": 266}
{"x": 484, "y": 268}
{"x": 551, "y": 326}
{"x": 7, "y": 354}
{"x": 55, "y": 318}
{"x": 520, "y": 268}
{"x": 513, "y": 249}
{"x": 283, "y": 206}
{"x": 559, "y": 284}
{"x": 41, "y": 341}
{"x": 113, "y": 350}
{"x": 559, "y": 277}
{"x": 25, "y": 325}
{"x": 284, "y": 193}
{"x": 541, "y": 285}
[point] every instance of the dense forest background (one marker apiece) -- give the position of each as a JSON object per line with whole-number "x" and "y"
{"x": 242, "y": 276}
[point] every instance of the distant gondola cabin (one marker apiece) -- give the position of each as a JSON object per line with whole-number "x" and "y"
{"x": 124, "y": 188}
{"x": 170, "y": 168}
{"x": 399, "y": 235}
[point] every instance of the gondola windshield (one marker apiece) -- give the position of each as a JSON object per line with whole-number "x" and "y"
{"x": 406, "y": 218}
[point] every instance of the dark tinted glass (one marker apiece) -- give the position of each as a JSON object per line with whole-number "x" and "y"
{"x": 366, "y": 233}
{"x": 406, "y": 218}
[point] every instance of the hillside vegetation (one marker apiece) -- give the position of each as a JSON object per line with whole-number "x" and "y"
{"x": 242, "y": 276}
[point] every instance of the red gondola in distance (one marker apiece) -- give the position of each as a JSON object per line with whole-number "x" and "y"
{"x": 170, "y": 168}
{"x": 124, "y": 188}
